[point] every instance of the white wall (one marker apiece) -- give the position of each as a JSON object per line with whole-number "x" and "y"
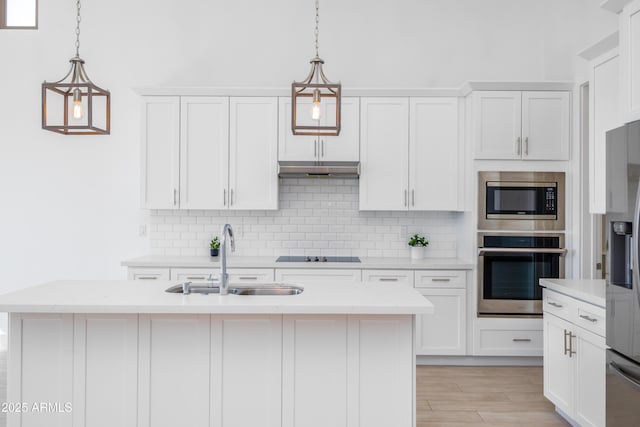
{"x": 69, "y": 206}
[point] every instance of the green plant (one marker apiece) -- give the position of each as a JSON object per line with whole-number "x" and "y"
{"x": 418, "y": 240}
{"x": 215, "y": 243}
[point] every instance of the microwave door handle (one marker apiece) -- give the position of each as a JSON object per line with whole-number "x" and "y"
{"x": 560, "y": 251}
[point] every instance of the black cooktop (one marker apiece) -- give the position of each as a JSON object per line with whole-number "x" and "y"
{"x": 318, "y": 259}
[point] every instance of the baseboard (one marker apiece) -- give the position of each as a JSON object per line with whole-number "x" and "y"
{"x": 479, "y": 360}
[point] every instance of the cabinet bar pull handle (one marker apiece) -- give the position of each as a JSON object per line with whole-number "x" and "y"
{"x": 413, "y": 197}
{"x": 518, "y": 146}
{"x": 405, "y": 197}
{"x": 175, "y": 197}
{"x": 146, "y": 278}
{"x": 195, "y": 278}
{"x": 571, "y": 336}
{"x": 440, "y": 279}
{"x": 224, "y": 197}
{"x": 231, "y": 197}
{"x": 590, "y": 319}
{"x": 566, "y": 334}
{"x": 522, "y": 340}
{"x": 322, "y": 147}
{"x": 526, "y": 146}
{"x": 248, "y": 278}
{"x": 315, "y": 149}
{"x": 555, "y": 304}
{"x": 388, "y": 279}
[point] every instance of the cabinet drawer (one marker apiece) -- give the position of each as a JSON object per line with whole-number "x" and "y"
{"x": 440, "y": 279}
{"x": 506, "y": 342}
{"x": 558, "y": 304}
{"x": 313, "y": 275}
{"x": 388, "y": 276}
{"x": 192, "y": 274}
{"x": 250, "y": 275}
{"x": 146, "y": 273}
{"x": 590, "y": 317}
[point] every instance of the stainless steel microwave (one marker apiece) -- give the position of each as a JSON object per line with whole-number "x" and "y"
{"x": 521, "y": 201}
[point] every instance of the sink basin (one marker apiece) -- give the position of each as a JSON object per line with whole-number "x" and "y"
{"x": 264, "y": 289}
{"x": 274, "y": 289}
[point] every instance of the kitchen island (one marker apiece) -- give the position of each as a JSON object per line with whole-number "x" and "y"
{"x": 125, "y": 353}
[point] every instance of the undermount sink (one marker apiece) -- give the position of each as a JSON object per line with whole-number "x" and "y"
{"x": 265, "y": 289}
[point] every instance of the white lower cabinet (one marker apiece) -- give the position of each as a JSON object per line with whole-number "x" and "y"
{"x": 219, "y": 370}
{"x": 507, "y": 337}
{"x": 306, "y": 275}
{"x": 574, "y": 361}
{"x": 388, "y": 276}
{"x": 148, "y": 273}
{"x": 443, "y": 333}
{"x": 236, "y": 275}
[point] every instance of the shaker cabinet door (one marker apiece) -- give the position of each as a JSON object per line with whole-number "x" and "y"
{"x": 384, "y": 154}
{"x": 546, "y": 122}
{"x": 204, "y": 152}
{"x": 497, "y": 117}
{"x": 253, "y": 153}
{"x": 160, "y": 152}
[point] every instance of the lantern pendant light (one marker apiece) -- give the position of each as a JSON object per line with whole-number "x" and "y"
{"x": 323, "y": 94}
{"x": 74, "y": 105}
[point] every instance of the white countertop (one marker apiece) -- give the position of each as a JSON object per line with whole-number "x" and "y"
{"x": 270, "y": 262}
{"x": 591, "y": 291}
{"x": 101, "y": 296}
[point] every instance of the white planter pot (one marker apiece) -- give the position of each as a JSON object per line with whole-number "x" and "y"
{"x": 417, "y": 252}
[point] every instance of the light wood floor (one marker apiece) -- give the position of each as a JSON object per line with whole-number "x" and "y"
{"x": 461, "y": 396}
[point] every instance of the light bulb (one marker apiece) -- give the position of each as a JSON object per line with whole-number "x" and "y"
{"x": 77, "y": 111}
{"x": 315, "y": 110}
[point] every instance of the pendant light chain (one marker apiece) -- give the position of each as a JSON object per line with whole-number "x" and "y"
{"x": 78, "y": 19}
{"x": 317, "y": 22}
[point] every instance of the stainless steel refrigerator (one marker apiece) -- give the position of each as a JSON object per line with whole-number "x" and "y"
{"x": 622, "y": 275}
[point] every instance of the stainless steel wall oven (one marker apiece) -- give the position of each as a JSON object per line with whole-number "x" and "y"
{"x": 509, "y": 268}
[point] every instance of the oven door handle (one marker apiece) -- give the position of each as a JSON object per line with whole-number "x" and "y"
{"x": 559, "y": 251}
{"x": 624, "y": 374}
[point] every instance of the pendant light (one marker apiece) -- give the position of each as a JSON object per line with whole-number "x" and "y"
{"x": 74, "y": 105}
{"x": 323, "y": 94}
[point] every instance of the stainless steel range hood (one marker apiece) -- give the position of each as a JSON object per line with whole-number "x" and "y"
{"x": 289, "y": 169}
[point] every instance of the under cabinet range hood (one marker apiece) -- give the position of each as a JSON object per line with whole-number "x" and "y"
{"x": 302, "y": 169}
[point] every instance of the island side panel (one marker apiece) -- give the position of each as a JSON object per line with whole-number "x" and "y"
{"x": 174, "y": 370}
{"x": 381, "y": 371}
{"x": 314, "y": 371}
{"x": 246, "y": 375}
{"x": 40, "y": 369}
{"x": 105, "y": 370}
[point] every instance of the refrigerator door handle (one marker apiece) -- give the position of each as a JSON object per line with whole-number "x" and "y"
{"x": 635, "y": 241}
{"x": 635, "y": 382}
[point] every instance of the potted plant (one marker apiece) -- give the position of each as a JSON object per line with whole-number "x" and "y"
{"x": 215, "y": 246}
{"x": 417, "y": 244}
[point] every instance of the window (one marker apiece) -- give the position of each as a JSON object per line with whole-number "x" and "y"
{"x": 18, "y": 14}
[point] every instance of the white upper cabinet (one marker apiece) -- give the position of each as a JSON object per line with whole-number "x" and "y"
{"x": 497, "y": 124}
{"x": 210, "y": 152}
{"x": 160, "y": 152}
{"x": 546, "y": 122}
{"x": 343, "y": 147}
{"x": 522, "y": 125}
{"x": 630, "y": 61}
{"x": 204, "y": 152}
{"x": 434, "y": 154}
{"x": 253, "y": 153}
{"x": 384, "y": 154}
{"x": 410, "y": 154}
{"x": 604, "y": 115}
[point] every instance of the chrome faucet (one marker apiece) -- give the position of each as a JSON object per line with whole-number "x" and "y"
{"x": 224, "y": 276}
